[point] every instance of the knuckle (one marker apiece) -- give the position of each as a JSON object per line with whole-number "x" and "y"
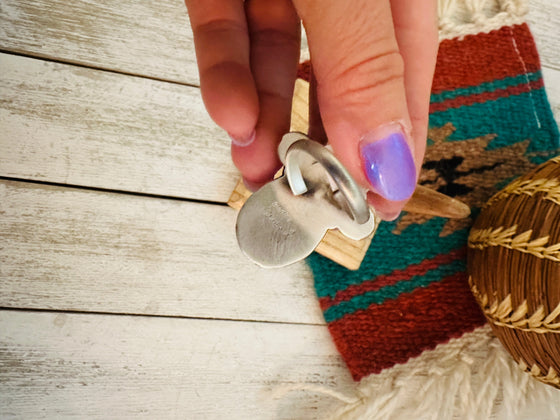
{"x": 376, "y": 72}
{"x": 271, "y": 12}
{"x": 419, "y": 119}
{"x": 218, "y": 27}
{"x": 271, "y": 37}
{"x": 273, "y": 23}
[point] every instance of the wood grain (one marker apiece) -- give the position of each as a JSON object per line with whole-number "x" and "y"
{"x": 154, "y": 39}
{"x": 544, "y": 21}
{"x": 299, "y": 120}
{"x": 79, "y": 250}
{"x": 151, "y": 39}
{"x": 76, "y": 250}
{"x": 71, "y": 125}
{"x": 552, "y": 85}
{"x": 239, "y": 195}
{"x": 56, "y": 365}
{"x": 67, "y": 124}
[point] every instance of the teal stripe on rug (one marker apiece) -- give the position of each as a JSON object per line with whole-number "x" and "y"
{"x": 481, "y": 119}
{"x": 396, "y": 252}
{"x": 389, "y": 253}
{"x": 486, "y": 87}
{"x": 393, "y": 291}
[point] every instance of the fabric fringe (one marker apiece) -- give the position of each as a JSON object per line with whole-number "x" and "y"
{"x": 471, "y": 377}
{"x": 458, "y": 18}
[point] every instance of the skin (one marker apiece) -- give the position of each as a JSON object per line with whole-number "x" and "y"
{"x": 373, "y": 63}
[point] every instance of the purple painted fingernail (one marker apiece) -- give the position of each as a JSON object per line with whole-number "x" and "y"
{"x": 388, "y": 162}
{"x": 243, "y": 141}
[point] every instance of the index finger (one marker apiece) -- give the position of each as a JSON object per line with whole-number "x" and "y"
{"x": 221, "y": 41}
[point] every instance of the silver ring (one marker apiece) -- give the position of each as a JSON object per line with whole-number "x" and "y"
{"x": 354, "y": 196}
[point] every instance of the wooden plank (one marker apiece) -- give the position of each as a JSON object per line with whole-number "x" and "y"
{"x": 154, "y": 38}
{"x": 56, "y": 365}
{"x": 79, "y": 126}
{"x": 146, "y": 38}
{"x": 66, "y": 124}
{"x": 85, "y": 127}
{"x": 79, "y": 250}
{"x": 552, "y": 84}
{"x": 544, "y": 21}
{"x": 299, "y": 120}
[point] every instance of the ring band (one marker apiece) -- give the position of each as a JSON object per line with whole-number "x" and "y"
{"x": 346, "y": 184}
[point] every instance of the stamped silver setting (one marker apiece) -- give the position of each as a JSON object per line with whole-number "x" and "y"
{"x": 285, "y": 220}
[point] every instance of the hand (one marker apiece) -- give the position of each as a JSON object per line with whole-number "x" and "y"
{"x": 373, "y": 63}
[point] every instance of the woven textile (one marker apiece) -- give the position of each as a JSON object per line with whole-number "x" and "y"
{"x": 490, "y": 122}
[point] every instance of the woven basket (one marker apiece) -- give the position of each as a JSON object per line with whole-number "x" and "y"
{"x": 514, "y": 267}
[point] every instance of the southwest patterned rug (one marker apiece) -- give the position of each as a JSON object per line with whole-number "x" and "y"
{"x": 406, "y": 322}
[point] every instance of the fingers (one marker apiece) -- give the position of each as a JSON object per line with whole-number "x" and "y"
{"x": 372, "y": 83}
{"x": 222, "y": 49}
{"x": 417, "y": 37}
{"x": 274, "y": 31}
{"x": 360, "y": 73}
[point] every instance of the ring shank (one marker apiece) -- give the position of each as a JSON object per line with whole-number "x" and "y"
{"x": 346, "y": 184}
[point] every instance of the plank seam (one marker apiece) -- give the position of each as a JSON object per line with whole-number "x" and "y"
{"x": 111, "y": 191}
{"x": 84, "y": 65}
{"x": 131, "y": 314}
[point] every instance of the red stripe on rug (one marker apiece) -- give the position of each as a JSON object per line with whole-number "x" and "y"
{"x": 486, "y": 96}
{"x": 383, "y": 335}
{"x": 506, "y": 52}
{"x": 392, "y": 278}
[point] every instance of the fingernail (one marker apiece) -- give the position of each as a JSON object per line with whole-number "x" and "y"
{"x": 388, "y": 162}
{"x": 243, "y": 141}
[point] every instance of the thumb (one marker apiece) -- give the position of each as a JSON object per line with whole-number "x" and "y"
{"x": 361, "y": 95}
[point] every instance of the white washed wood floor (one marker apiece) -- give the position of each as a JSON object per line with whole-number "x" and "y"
{"x": 123, "y": 292}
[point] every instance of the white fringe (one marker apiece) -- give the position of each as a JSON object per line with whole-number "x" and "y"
{"x": 471, "y": 377}
{"x": 458, "y": 18}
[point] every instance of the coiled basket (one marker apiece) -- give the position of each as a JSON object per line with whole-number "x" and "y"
{"x": 514, "y": 268}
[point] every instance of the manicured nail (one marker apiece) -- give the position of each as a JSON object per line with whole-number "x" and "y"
{"x": 243, "y": 141}
{"x": 388, "y": 162}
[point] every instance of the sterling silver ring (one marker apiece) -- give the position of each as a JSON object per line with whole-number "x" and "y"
{"x": 297, "y": 147}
